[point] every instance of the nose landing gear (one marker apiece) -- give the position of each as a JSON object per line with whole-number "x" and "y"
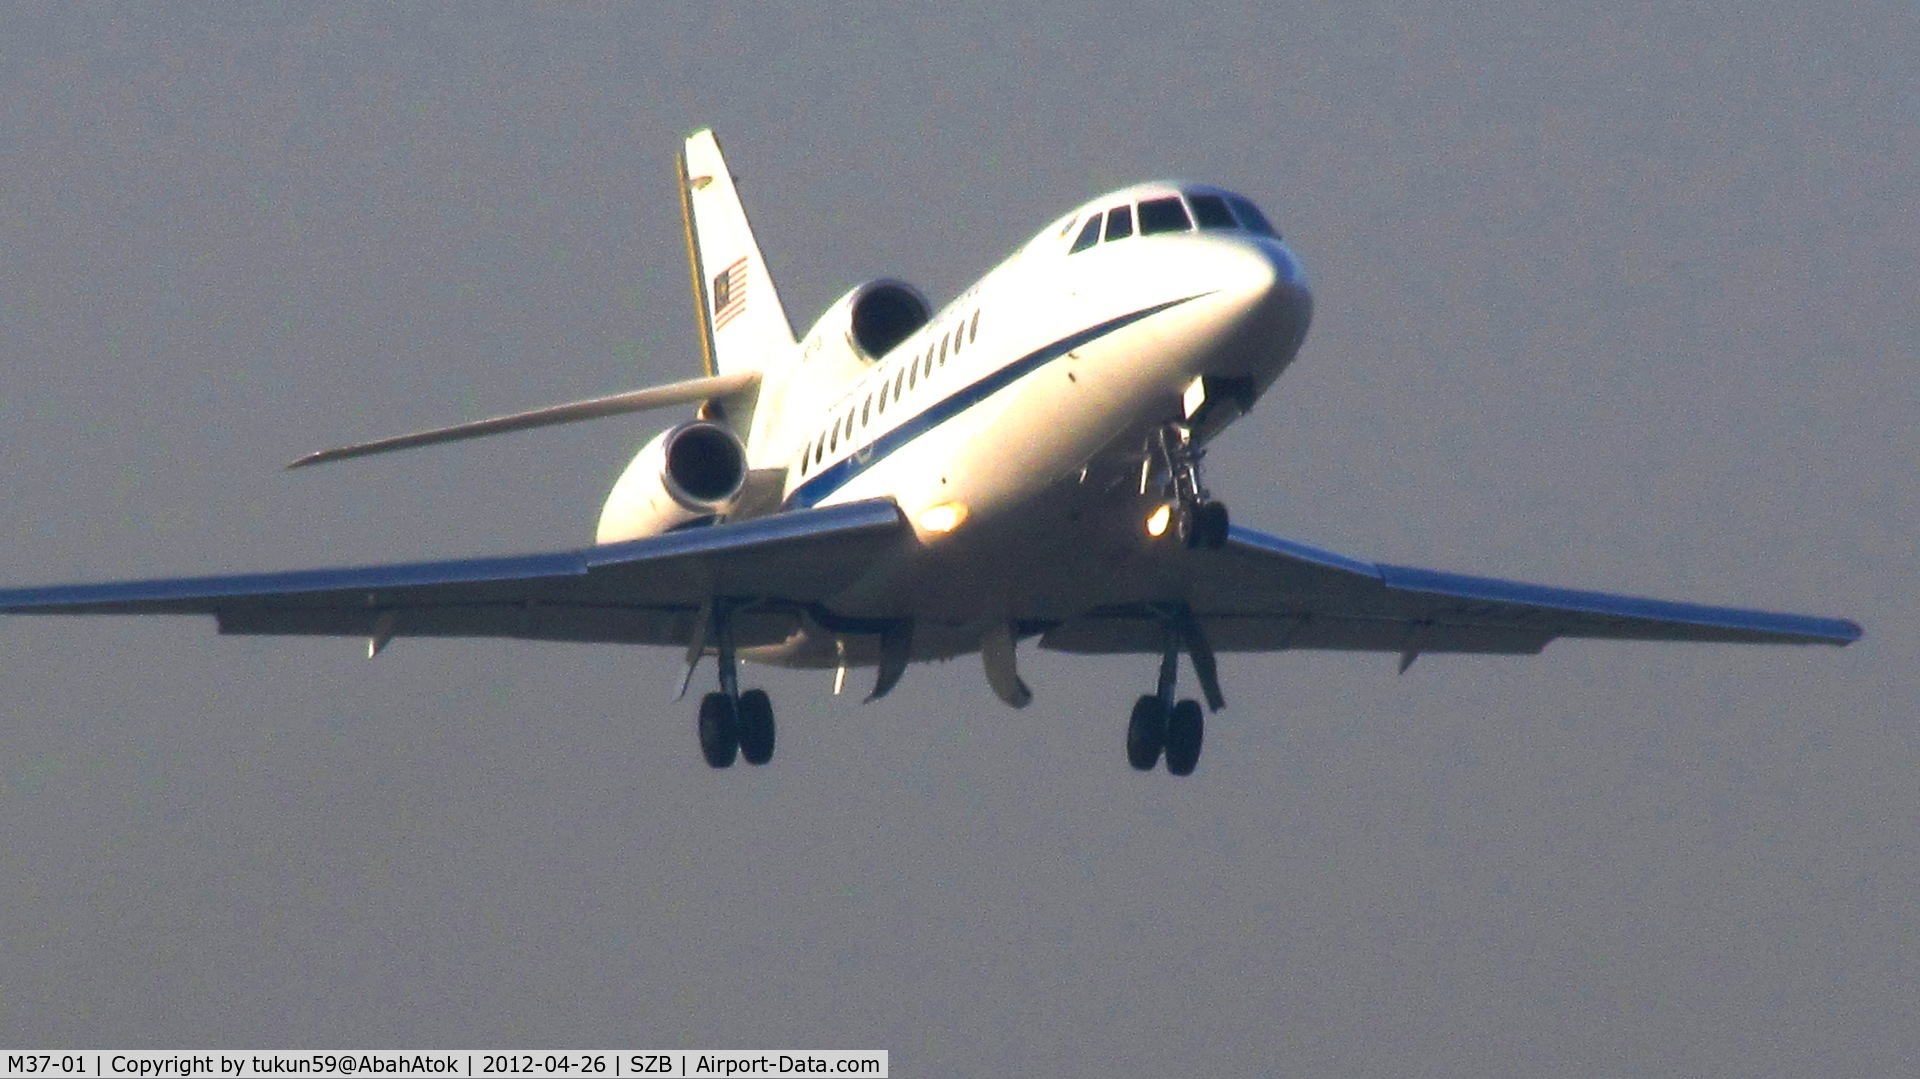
{"x": 1198, "y": 520}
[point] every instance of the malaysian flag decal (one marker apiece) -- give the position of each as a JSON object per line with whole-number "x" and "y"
{"x": 729, "y": 293}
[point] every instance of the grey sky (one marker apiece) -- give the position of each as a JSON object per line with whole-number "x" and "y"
{"x": 1620, "y": 300}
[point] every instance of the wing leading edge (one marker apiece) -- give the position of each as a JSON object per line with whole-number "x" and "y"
{"x": 1264, "y": 593}
{"x": 643, "y": 591}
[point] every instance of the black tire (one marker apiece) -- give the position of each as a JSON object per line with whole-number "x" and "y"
{"x": 756, "y": 726}
{"x": 1186, "y": 525}
{"x": 1146, "y": 733}
{"x": 1185, "y": 730}
{"x": 1210, "y": 525}
{"x": 719, "y": 731}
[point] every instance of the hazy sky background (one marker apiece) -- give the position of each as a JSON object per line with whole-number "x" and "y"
{"x": 1619, "y": 298}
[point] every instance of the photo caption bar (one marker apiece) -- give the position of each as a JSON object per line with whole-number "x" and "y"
{"x": 567, "y": 1063}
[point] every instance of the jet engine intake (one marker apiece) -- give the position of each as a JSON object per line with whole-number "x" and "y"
{"x": 869, "y": 321}
{"x": 685, "y": 474}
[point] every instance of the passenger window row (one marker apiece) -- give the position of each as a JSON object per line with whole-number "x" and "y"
{"x": 1169, "y": 213}
{"x": 906, "y": 377}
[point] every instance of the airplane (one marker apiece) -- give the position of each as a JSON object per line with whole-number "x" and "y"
{"x": 903, "y": 484}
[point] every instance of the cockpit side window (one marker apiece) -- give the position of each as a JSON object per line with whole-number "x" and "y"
{"x": 1212, "y": 212}
{"x": 1163, "y": 215}
{"x": 1251, "y": 218}
{"x": 1119, "y": 223}
{"x": 1089, "y": 235}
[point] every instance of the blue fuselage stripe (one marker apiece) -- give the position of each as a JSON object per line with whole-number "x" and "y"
{"x": 842, "y": 472}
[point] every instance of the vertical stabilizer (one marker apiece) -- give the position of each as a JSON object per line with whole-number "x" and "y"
{"x": 743, "y": 325}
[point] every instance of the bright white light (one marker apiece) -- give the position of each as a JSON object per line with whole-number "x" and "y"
{"x": 942, "y": 518}
{"x": 1158, "y": 520}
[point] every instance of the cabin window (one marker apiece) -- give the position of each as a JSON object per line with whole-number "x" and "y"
{"x": 1251, "y": 218}
{"x": 973, "y": 332}
{"x": 833, "y": 443}
{"x": 1089, "y": 235}
{"x": 898, "y": 381}
{"x": 866, "y": 410}
{"x": 927, "y": 361}
{"x": 819, "y": 448}
{"x": 1119, "y": 223}
{"x": 1163, "y": 215}
{"x": 1211, "y": 211}
{"x": 880, "y": 406}
{"x": 943, "y": 349}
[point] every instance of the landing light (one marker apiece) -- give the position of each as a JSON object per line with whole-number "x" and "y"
{"x": 1158, "y": 520}
{"x": 943, "y": 518}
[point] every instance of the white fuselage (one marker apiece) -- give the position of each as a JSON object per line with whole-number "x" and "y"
{"x": 1014, "y": 429}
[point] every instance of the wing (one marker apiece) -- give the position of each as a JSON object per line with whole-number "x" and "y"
{"x": 640, "y": 592}
{"x": 1262, "y": 593}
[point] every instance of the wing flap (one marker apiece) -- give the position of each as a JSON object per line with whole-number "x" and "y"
{"x": 538, "y": 621}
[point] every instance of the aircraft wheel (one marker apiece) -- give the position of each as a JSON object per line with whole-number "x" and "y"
{"x": 1146, "y": 733}
{"x": 719, "y": 731}
{"x": 1185, "y": 729}
{"x": 756, "y": 726}
{"x": 1210, "y": 525}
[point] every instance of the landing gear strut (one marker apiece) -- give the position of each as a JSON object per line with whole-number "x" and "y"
{"x": 731, "y": 722}
{"x": 1197, "y": 519}
{"x": 1161, "y": 725}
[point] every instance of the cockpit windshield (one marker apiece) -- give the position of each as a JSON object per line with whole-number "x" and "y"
{"x": 1251, "y": 218}
{"x": 1212, "y": 212}
{"x": 1206, "y": 210}
{"x": 1163, "y": 215}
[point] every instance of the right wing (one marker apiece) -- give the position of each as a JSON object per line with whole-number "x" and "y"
{"x": 646, "y": 591}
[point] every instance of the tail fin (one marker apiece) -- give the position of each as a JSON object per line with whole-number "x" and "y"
{"x": 742, "y": 324}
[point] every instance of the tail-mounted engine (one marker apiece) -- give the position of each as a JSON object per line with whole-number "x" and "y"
{"x": 685, "y": 474}
{"x": 869, "y": 321}
{"x": 862, "y": 326}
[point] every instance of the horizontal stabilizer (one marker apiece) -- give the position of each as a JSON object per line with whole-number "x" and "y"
{"x": 674, "y": 393}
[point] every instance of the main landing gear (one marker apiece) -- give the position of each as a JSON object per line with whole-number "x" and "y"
{"x": 731, "y": 722}
{"x": 1198, "y": 520}
{"x": 1161, "y": 725}
{"x": 745, "y": 726}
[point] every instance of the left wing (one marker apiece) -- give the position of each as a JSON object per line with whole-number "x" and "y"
{"x": 645, "y": 591}
{"x": 1263, "y": 593}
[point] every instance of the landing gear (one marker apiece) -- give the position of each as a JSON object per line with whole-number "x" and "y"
{"x": 731, "y": 722}
{"x": 756, "y": 726}
{"x": 1146, "y": 733}
{"x": 719, "y": 730}
{"x": 1185, "y": 729}
{"x": 1198, "y": 520}
{"x": 1161, "y": 725}
{"x": 1205, "y": 525}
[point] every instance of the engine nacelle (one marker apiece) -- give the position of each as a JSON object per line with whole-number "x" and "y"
{"x": 862, "y": 326}
{"x": 869, "y": 321}
{"x": 686, "y": 473}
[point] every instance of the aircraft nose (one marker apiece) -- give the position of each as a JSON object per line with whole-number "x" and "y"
{"x": 1270, "y": 284}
